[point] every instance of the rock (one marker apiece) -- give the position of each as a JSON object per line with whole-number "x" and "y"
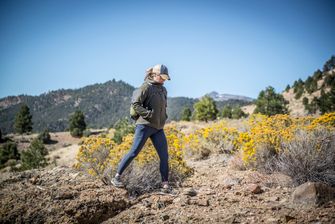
{"x": 165, "y": 217}
{"x": 288, "y": 218}
{"x": 274, "y": 198}
{"x": 184, "y": 201}
{"x": 176, "y": 200}
{"x": 207, "y": 191}
{"x": 147, "y": 203}
{"x": 313, "y": 194}
{"x": 190, "y": 192}
{"x": 62, "y": 194}
{"x": 229, "y": 220}
{"x": 230, "y": 181}
{"x": 203, "y": 202}
{"x": 272, "y": 220}
{"x": 255, "y": 189}
{"x": 162, "y": 202}
{"x": 33, "y": 180}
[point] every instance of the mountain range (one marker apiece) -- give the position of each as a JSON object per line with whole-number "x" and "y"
{"x": 102, "y": 104}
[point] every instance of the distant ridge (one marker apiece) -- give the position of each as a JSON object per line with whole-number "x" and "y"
{"x": 225, "y": 97}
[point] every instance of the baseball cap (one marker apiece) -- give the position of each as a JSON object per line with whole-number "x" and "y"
{"x": 162, "y": 70}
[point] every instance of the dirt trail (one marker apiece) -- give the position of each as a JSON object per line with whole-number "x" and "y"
{"x": 217, "y": 194}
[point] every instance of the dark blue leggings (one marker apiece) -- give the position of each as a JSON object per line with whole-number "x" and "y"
{"x": 142, "y": 133}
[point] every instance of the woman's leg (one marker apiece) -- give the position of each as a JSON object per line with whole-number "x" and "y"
{"x": 142, "y": 133}
{"x": 160, "y": 143}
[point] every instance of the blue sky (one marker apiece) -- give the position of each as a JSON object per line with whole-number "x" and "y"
{"x": 237, "y": 46}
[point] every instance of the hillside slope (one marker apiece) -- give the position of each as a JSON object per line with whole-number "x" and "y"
{"x": 102, "y": 104}
{"x": 304, "y": 96}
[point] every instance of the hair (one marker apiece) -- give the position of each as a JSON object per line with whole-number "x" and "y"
{"x": 149, "y": 74}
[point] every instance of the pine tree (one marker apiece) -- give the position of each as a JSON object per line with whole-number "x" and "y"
{"x": 34, "y": 157}
{"x": 44, "y": 136}
{"x": 8, "y": 151}
{"x": 205, "y": 109}
{"x": 226, "y": 112}
{"x": 288, "y": 87}
{"x": 326, "y": 102}
{"x": 186, "y": 114}
{"x": 23, "y": 120}
{"x": 237, "y": 113}
{"x": 329, "y": 65}
{"x": 77, "y": 124}
{"x": 270, "y": 103}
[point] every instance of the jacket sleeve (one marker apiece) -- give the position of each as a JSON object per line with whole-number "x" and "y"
{"x": 138, "y": 99}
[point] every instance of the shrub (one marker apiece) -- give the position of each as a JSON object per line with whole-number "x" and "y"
{"x": 44, "y": 137}
{"x": 237, "y": 113}
{"x": 310, "y": 157}
{"x": 215, "y": 138}
{"x": 268, "y": 136}
{"x": 273, "y": 131}
{"x": 76, "y": 132}
{"x": 100, "y": 157}
{"x": 122, "y": 128}
{"x": 8, "y": 151}
{"x": 87, "y": 133}
{"x": 34, "y": 156}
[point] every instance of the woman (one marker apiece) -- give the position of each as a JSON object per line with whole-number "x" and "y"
{"x": 150, "y": 103}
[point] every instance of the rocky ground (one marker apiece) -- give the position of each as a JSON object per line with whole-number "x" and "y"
{"x": 214, "y": 194}
{"x": 217, "y": 194}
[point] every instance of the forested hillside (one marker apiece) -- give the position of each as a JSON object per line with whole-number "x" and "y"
{"x": 102, "y": 104}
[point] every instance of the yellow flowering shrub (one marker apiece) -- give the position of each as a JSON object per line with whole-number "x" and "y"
{"x": 275, "y": 130}
{"x": 327, "y": 120}
{"x": 96, "y": 154}
{"x": 216, "y": 137}
{"x": 93, "y": 155}
{"x": 258, "y": 131}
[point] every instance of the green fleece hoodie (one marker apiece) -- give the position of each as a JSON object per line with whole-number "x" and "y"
{"x": 150, "y": 102}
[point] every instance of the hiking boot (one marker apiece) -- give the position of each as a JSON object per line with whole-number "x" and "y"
{"x": 166, "y": 188}
{"x": 116, "y": 181}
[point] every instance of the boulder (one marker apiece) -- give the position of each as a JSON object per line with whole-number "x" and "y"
{"x": 255, "y": 189}
{"x": 313, "y": 193}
